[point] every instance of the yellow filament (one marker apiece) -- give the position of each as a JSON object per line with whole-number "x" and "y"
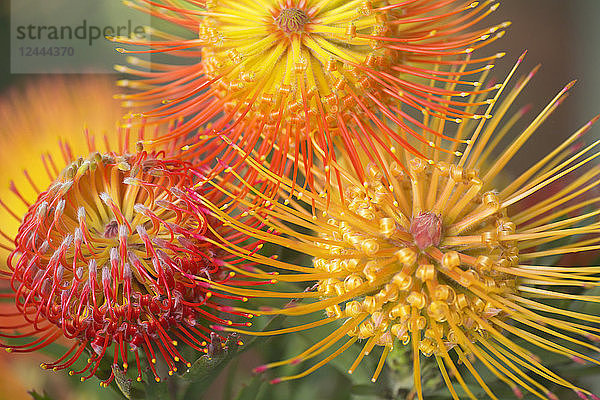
{"x": 284, "y": 330}
{"x": 386, "y": 351}
{"x": 322, "y": 362}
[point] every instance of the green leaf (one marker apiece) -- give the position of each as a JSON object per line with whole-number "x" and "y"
{"x": 205, "y": 369}
{"x": 158, "y": 391}
{"x": 36, "y": 396}
{"x": 252, "y": 389}
{"x": 365, "y": 390}
{"x": 123, "y": 383}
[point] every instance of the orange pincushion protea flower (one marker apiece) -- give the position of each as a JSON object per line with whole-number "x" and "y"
{"x": 437, "y": 259}
{"x": 308, "y": 76}
{"x": 114, "y": 255}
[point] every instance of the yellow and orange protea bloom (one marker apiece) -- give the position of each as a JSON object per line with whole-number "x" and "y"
{"x": 110, "y": 255}
{"x": 444, "y": 259}
{"x": 308, "y": 76}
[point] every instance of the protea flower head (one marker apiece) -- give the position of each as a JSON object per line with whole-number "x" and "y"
{"x": 113, "y": 256}
{"x": 444, "y": 259}
{"x": 308, "y": 76}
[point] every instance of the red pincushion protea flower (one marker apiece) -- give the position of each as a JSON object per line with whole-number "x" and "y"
{"x": 308, "y": 76}
{"x": 109, "y": 254}
{"x": 443, "y": 261}
{"x": 115, "y": 256}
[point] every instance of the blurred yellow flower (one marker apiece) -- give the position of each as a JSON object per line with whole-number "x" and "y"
{"x": 43, "y": 128}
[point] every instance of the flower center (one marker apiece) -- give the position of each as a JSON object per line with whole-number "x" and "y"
{"x": 426, "y": 229}
{"x": 404, "y": 276}
{"x": 292, "y": 20}
{"x": 260, "y": 60}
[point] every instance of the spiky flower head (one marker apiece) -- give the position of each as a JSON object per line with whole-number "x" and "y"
{"x": 114, "y": 256}
{"x": 311, "y": 73}
{"x": 438, "y": 260}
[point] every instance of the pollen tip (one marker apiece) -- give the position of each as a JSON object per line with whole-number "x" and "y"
{"x": 260, "y": 369}
{"x": 581, "y": 395}
{"x": 578, "y": 360}
{"x": 551, "y": 396}
{"x": 275, "y": 381}
{"x": 517, "y": 391}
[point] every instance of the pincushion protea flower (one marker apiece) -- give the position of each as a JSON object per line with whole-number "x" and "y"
{"x": 311, "y": 73}
{"x": 111, "y": 256}
{"x": 442, "y": 259}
